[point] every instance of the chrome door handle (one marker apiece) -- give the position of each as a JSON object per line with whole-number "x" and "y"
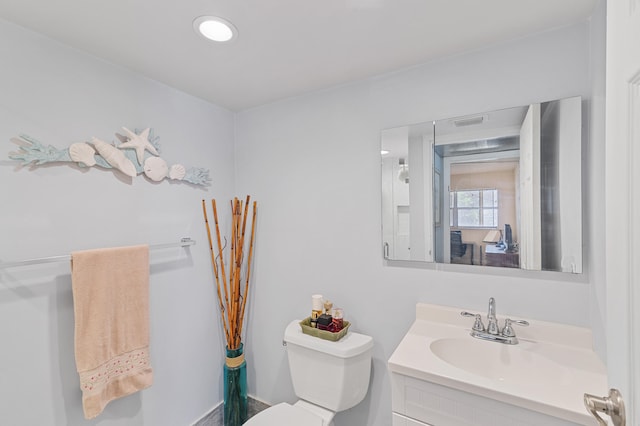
{"x": 612, "y": 406}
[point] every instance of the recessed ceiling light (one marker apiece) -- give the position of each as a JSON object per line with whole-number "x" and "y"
{"x": 215, "y": 28}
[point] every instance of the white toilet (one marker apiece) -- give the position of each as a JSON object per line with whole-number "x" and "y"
{"x": 328, "y": 377}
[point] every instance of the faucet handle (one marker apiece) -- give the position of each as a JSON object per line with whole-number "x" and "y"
{"x": 507, "y": 331}
{"x": 477, "y": 325}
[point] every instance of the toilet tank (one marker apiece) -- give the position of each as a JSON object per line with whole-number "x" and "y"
{"x": 333, "y": 375}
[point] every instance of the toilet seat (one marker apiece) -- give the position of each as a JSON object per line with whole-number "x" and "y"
{"x": 284, "y": 414}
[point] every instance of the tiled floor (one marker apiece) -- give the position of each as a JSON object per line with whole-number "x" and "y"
{"x": 215, "y": 418}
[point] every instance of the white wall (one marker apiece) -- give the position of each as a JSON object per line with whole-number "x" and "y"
{"x": 313, "y": 163}
{"x": 594, "y": 215}
{"x": 60, "y": 96}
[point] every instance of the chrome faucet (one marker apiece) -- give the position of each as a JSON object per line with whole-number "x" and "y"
{"x": 493, "y": 333}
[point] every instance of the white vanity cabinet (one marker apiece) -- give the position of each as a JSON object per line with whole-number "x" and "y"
{"x": 420, "y": 403}
{"x": 442, "y": 376}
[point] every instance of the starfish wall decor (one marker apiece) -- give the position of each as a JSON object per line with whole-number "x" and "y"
{"x": 138, "y": 152}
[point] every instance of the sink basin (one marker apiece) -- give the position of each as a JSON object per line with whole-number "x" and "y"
{"x": 505, "y": 363}
{"x": 547, "y": 372}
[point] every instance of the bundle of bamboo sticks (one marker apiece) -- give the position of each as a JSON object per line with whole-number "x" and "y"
{"x": 232, "y": 299}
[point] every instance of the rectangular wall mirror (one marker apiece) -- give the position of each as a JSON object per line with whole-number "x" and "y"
{"x": 499, "y": 189}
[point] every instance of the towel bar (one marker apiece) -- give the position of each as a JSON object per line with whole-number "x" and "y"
{"x": 184, "y": 242}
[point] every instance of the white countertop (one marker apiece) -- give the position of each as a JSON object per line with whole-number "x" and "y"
{"x": 548, "y": 371}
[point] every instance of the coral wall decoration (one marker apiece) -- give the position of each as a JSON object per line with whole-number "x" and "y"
{"x": 138, "y": 152}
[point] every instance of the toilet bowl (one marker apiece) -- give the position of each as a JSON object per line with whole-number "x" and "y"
{"x": 327, "y": 376}
{"x": 286, "y": 414}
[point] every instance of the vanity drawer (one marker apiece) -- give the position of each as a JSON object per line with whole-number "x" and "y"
{"x": 399, "y": 420}
{"x": 437, "y": 405}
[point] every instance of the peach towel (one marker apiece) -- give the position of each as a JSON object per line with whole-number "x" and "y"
{"x": 111, "y": 309}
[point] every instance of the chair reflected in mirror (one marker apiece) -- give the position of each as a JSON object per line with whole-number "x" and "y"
{"x": 461, "y": 252}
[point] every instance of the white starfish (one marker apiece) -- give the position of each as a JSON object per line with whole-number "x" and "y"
{"x": 139, "y": 142}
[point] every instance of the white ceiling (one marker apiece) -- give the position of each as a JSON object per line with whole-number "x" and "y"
{"x": 285, "y": 47}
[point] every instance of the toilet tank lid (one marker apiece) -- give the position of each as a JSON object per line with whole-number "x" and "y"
{"x": 352, "y": 344}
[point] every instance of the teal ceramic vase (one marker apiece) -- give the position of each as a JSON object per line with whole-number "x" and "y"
{"x": 235, "y": 388}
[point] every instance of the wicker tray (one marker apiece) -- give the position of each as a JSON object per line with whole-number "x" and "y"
{"x": 305, "y": 324}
